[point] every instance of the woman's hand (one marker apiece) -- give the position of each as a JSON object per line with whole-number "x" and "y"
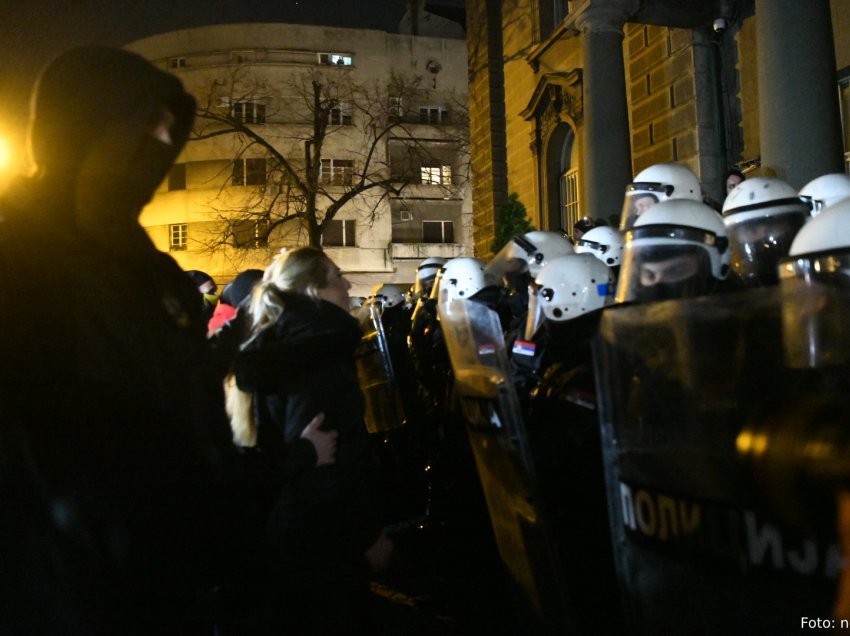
{"x": 324, "y": 442}
{"x": 378, "y": 555}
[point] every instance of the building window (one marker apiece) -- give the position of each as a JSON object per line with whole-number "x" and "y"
{"x": 250, "y": 234}
{"x": 177, "y": 62}
{"x": 177, "y": 177}
{"x": 433, "y": 115}
{"x": 569, "y": 189}
{"x": 248, "y": 112}
{"x": 341, "y": 115}
{"x": 438, "y": 232}
{"x": 249, "y": 172}
{"x": 336, "y": 171}
{"x": 436, "y": 175}
{"x": 396, "y": 105}
{"x": 339, "y": 234}
{"x": 178, "y": 234}
{"x": 335, "y": 59}
{"x": 242, "y": 57}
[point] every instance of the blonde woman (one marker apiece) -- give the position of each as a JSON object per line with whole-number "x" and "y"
{"x": 323, "y": 533}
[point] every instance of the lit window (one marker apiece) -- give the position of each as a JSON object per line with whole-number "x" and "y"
{"x": 249, "y": 172}
{"x": 433, "y": 115}
{"x": 336, "y": 171}
{"x": 437, "y": 232}
{"x": 437, "y": 175}
{"x": 177, "y": 177}
{"x": 335, "y": 59}
{"x": 341, "y": 115}
{"x": 339, "y": 234}
{"x": 248, "y": 112}
{"x": 177, "y": 62}
{"x": 178, "y": 236}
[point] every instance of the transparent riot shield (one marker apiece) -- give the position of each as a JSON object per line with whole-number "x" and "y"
{"x": 384, "y": 408}
{"x": 699, "y": 544}
{"x": 497, "y": 435}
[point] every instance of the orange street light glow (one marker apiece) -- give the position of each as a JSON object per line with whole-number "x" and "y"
{"x": 5, "y": 154}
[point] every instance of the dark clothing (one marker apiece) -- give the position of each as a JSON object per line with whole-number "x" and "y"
{"x": 324, "y": 518}
{"x": 563, "y": 433}
{"x": 113, "y": 439}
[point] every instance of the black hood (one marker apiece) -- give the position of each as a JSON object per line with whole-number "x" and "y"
{"x": 90, "y": 114}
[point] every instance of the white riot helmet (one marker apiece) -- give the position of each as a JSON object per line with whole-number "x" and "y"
{"x": 605, "y": 243}
{"x": 460, "y": 278}
{"x": 762, "y": 216}
{"x": 387, "y": 295}
{"x": 678, "y": 249}
{"x": 547, "y": 246}
{"x": 825, "y": 191}
{"x": 566, "y": 288}
{"x": 426, "y": 274}
{"x": 660, "y": 182}
{"x": 528, "y": 253}
{"x": 815, "y": 282}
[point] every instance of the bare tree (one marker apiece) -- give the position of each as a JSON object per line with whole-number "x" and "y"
{"x": 322, "y": 148}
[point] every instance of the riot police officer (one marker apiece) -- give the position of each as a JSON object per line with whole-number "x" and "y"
{"x": 657, "y": 183}
{"x": 566, "y": 303}
{"x": 762, "y": 216}
{"x": 825, "y": 191}
{"x": 606, "y": 244}
{"x": 678, "y": 249}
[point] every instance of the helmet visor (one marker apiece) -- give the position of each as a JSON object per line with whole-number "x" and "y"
{"x": 639, "y": 198}
{"x": 664, "y": 272}
{"x": 535, "y": 310}
{"x": 511, "y": 259}
{"x": 759, "y": 243}
{"x": 815, "y": 311}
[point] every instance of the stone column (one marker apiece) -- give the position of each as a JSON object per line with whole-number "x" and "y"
{"x": 799, "y": 121}
{"x": 607, "y": 141}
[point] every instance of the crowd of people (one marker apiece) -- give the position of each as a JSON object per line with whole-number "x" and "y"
{"x": 172, "y": 461}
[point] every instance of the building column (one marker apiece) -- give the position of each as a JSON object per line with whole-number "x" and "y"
{"x": 799, "y": 121}
{"x": 607, "y": 142}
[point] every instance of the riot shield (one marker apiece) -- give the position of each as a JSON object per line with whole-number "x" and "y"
{"x": 384, "y": 408}
{"x": 698, "y": 544}
{"x": 498, "y": 439}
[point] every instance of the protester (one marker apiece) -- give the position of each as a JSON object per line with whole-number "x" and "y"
{"x": 323, "y": 533}
{"x": 113, "y": 438}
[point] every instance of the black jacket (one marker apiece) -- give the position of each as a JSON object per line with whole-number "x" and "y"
{"x": 113, "y": 440}
{"x": 299, "y": 367}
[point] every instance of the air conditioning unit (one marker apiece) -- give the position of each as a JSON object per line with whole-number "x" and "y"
{"x": 405, "y": 215}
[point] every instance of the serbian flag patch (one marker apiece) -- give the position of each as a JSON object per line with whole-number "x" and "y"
{"x": 486, "y": 348}
{"x": 524, "y": 348}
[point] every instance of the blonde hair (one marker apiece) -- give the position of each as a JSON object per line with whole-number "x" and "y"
{"x": 302, "y": 270}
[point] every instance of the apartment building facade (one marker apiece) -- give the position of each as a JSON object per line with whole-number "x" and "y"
{"x": 300, "y": 123}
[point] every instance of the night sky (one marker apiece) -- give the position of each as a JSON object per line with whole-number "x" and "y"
{"x": 33, "y": 31}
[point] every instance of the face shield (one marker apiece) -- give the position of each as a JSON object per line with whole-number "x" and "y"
{"x": 425, "y": 281}
{"x": 815, "y": 310}
{"x": 639, "y": 198}
{"x": 758, "y": 243}
{"x": 655, "y": 271}
{"x": 435, "y": 288}
{"x": 511, "y": 262}
{"x": 537, "y": 296}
